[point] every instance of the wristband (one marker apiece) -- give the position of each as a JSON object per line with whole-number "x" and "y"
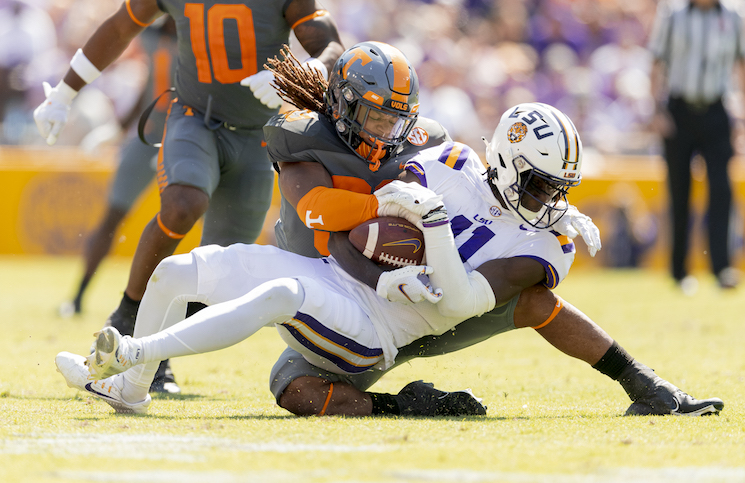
{"x": 84, "y": 67}
{"x": 67, "y": 92}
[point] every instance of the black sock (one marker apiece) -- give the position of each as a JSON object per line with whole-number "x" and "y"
{"x": 614, "y": 361}
{"x": 384, "y": 403}
{"x": 123, "y": 318}
{"x": 129, "y": 304}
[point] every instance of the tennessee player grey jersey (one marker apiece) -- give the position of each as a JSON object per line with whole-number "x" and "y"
{"x": 306, "y": 136}
{"x": 220, "y": 44}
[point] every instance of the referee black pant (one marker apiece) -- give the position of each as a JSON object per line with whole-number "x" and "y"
{"x": 706, "y": 130}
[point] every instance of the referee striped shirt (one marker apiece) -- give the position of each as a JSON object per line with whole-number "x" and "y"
{"x": 699, "y": 48}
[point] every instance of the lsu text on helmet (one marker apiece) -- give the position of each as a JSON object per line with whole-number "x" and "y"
{"x": 534, "y": 157}
{"x": 373, "y": 99}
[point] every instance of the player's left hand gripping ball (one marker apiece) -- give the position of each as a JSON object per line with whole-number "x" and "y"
{"x": 408, "y": 285}
{"x": 406, "y": 200}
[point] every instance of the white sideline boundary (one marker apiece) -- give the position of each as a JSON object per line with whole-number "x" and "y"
{"x": 161, "y": 447}
{"x": 342, "y": 475}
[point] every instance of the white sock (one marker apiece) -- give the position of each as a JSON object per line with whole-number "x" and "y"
{"x": 173, "y": 284}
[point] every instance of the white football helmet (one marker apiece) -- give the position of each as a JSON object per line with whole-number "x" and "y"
{"x": 534, "y": 157}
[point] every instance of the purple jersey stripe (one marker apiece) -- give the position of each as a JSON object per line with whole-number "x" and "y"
{"x": 454, "y": 155}
{"x": 446, "y": 153}
{"x": 568, "y": 248}
{"x": 418, "y": 170}
{"x": 336, "y": 360}
{"x": 336, "y": 338}
{"x": 552, "y": 278}
{"x": 462, "y": 158}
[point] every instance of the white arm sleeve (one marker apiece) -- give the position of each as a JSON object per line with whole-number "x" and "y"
{"x": 465, "y": 295}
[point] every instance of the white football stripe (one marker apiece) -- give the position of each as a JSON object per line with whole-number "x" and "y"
{"x": 372, "y": 240}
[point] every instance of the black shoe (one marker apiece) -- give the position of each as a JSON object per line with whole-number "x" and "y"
{"x": 164, "y": 381}
{"x": 654, "y": 396}
{"x": 420, "y": 398}
{"x": 728, "y": 278}
{"x": 676, "y": 402}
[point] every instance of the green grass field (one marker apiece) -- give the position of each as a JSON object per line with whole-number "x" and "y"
{"x": 550, "y": 418}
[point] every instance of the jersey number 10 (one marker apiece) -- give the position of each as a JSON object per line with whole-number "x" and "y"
{"x": 216, "y": 16}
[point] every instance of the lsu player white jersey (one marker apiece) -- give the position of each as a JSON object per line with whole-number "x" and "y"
{"x": 483, "y": 231}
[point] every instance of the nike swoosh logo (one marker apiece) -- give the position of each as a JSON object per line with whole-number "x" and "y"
{"x": 401, "y": 289}
{"x": 409, "y": 241}
{"x": 89, "y": 388}
{"x": 676, "y": 408}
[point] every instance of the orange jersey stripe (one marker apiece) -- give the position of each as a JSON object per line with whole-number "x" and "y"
{"x": 160, "y": 175}
{"x": 161, "y": 75}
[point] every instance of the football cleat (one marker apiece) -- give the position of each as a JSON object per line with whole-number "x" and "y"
{"x": 654, "y": 396}
{"x": 668, "y": 399}
{"x": 164, "y": 381}
{"x": 75, "y": 371}
{"x": 421, "y": 398}
{"x": 113, "y": 353}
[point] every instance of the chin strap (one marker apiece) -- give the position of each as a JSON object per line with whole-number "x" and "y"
{"x": 365, "y": 150}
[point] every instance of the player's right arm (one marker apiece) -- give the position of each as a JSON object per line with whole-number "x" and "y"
{"x": 106, "y": 44}
{"x": 310, "y": 190}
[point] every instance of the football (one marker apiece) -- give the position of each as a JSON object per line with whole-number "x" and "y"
{"x": 389, "y": 241}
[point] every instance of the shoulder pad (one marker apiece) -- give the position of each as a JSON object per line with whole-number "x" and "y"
{"x": 427, "y": 132}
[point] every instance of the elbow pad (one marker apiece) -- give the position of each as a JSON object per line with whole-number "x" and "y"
{"x": 465, "y": 294}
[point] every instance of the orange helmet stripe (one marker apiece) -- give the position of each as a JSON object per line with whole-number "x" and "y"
{"x": 357, "y": 53}
{"x": 401, "y": 73}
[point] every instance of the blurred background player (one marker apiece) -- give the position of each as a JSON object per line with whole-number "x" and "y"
{"x": 137, "y": 160}
{"x": 212, "y": 161}
{"x": 696, "y": 47}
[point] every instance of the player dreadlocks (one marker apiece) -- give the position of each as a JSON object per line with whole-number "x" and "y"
{"x": 301, "y": 87}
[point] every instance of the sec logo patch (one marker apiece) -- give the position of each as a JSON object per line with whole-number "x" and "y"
{"x": 418, "y": 137}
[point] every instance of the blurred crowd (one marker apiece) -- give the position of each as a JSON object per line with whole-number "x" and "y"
{"x": 475, "y": 58}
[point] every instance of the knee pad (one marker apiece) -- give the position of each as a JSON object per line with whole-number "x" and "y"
{"x": 176, "y": 274}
